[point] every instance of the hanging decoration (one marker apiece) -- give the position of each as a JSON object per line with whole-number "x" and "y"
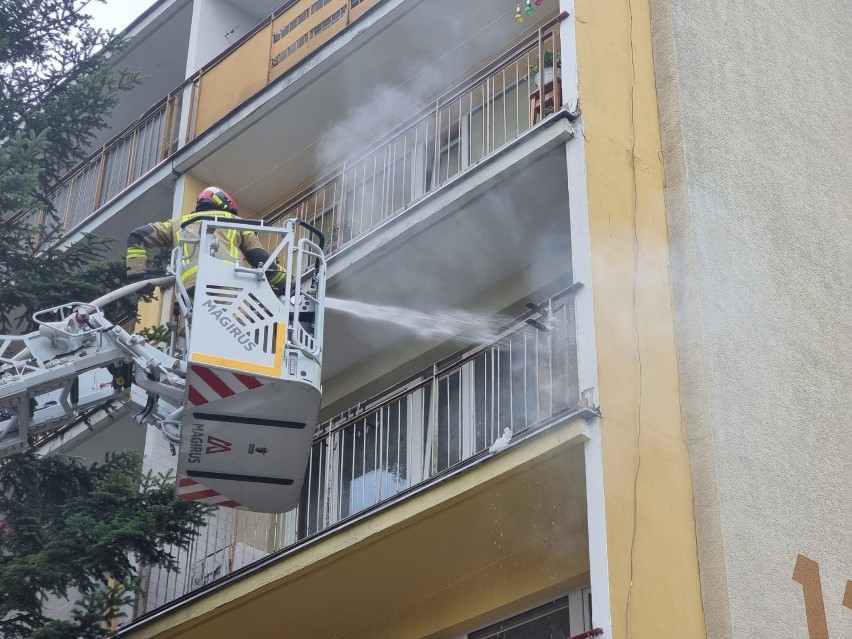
{"x": 527, "y": 10}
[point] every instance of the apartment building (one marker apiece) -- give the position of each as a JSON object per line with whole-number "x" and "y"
{"x": 616, "y": 229}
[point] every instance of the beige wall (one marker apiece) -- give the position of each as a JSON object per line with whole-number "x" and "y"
{"x": 754, "y": 106}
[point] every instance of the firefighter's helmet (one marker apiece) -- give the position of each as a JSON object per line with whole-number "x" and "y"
{"x": 215, "y": 199}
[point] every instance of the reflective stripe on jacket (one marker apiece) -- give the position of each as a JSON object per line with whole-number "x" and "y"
{"x": 232, "y": 243}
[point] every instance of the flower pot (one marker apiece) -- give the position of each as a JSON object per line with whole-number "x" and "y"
{"x": 548, "y": 76}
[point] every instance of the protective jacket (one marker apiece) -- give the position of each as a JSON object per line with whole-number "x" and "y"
{"x": 233, "y": 243}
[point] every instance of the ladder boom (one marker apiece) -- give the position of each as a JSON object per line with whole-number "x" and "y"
{"x": 66, "y": 366}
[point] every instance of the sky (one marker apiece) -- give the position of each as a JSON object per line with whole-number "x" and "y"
{"x": 116, "y": 14}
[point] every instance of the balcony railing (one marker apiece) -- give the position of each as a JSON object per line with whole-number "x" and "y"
{"x": 458, "y": 130}
{"x": 415, "y": 433}
{"x": 114, "y": 167}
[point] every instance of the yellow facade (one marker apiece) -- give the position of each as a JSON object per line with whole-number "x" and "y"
{"x": 237, "y": 77}
{"x": 651, "y": 545}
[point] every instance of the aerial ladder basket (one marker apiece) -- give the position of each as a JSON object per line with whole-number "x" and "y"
{"x": 254, "y": 358}
{"x": 241, "y": 399}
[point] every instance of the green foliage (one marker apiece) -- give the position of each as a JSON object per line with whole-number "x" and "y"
{"x": 57, "y": 87}
{"x": 548, "y": 62}
{"x": 157, "y": 335}
{"x": 68, "y": 526}
{"x": 56, "y": 93}
{"x": 33, "y": 278}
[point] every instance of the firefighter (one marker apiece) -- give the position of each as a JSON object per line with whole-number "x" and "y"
{"x": 212, "y": 201}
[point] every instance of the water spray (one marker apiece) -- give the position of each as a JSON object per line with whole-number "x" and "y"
{"x": 452, "y": 324}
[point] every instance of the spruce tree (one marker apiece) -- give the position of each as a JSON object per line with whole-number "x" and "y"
{"x": 38, "y": 275}
{"x": 65, "y": 528}
{"x": 57, "y": 87}
{"x": 64, "y": 525}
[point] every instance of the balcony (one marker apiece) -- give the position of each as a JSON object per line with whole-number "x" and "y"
{"x": 116, "y": 166}
{"x": 431, "y": 428}
{"x": 274, "y": 46}
{"x": 456, "y": 132}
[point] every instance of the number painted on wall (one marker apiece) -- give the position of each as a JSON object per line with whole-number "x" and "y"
{"x": 806, "y": 573}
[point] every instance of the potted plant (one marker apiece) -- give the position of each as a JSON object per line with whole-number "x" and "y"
{"x": 535, "y": 71}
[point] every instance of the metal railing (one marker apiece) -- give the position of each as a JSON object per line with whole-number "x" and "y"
{"x": 457, "y": 131}
{"x": 414, "y": 433}
{"x": 114, "y": 167}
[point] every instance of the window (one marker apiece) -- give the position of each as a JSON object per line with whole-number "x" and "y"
{"x": 500, "y": 388}
{"x": 386, "y": 181}
{"x": 559, "y": 619}
{"x": 550, "y": 621}
{"x": 375, "y": 456}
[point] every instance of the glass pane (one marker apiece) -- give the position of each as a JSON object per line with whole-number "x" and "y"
{"x": 312, "y": 504}
{"x": 449, "y": 421}
{"x": 83, "y": 195}
{"x": 396, "y": 449}
{"x": 374, "y": 458}
{"x": 116, "y": 166}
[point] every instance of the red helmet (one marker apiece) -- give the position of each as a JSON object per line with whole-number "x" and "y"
{"x": 215, "y": 199}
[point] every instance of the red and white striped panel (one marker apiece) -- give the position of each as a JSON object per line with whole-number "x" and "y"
{"x": 207, "y": 385}
{"x": 193, "y": 491}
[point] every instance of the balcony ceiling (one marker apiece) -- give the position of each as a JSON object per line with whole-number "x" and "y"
{"x": 258, "y": 9}
{"x": 355, "y": 89}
